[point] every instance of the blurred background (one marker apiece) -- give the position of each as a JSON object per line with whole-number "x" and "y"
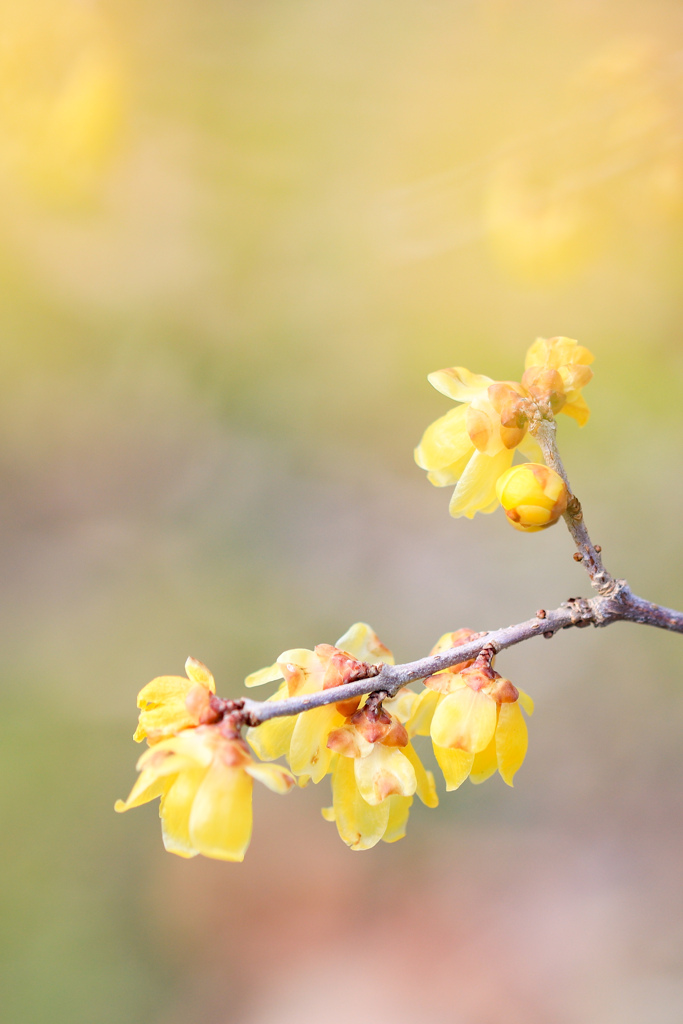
{"x": 234, "y": 239}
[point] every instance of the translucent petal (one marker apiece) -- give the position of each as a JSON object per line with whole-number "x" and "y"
{"x": 577, "y": 409}
{"x": 221, "y": 816}
{"x": 445, "y": 441}
{"x": 264, "y": 675}
{"x": 424, "y": 707}
{"x": 148, "y": 786}
{"x": 399, "y": 808}
{"x": 199, "y": 674}
{"x": 164, "y": 720}
{"x": 174, "y": 811}
{"x": 362, "y": 643}
{"x": 272, "y": 738}
{"x": 401, "y": 706}
{"x": 459, "y": 383}
{"x": 164, "y": 689}
{"x": 449, "y": 475}
{"x": 426, "y": 787}
{"x": 477, "y": 487}
{"x": 274, "y": 776}
{"x": 455, "y": 765}
{"x": 526, "y": 701}
{"x": 308, "y": 752}
{"x": 328, "y": 813}
{"x": 359, "y": 824}
{"x": 386, "y": 771}
{"x": 485, "y": 763}
{"x": 464, "y": 720}
{"x": 512, "y": 740}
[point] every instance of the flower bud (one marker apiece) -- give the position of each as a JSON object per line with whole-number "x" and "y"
{"x": 533, "y": 496}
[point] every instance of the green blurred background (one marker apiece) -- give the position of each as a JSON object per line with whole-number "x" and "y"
{"x": 235, "y": 237}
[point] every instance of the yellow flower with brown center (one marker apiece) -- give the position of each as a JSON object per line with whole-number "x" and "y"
{"x": 204, "y": 777}
{"x": 303, "y": 738}
{"x": 375, "y": 773}
{"x": 473, "y": 716}
{"x": 556, "y": 369}
{"x": 474, "y": 444}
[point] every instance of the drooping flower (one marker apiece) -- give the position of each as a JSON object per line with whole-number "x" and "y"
{"x": 473, "y": 716}
{"x": 171, "y": 703}
{"x": 303, "y": 738}
{"x": 474, "y": 444}
{"x": 375, "y": 773}
{"x": 533, "y": 496}
{"x": 556, "y": 369}
{"x": 204, "y": 777}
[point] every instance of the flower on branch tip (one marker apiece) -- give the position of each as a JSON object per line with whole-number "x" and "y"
{"x": 533, "y": 496}
{"x": 556, "y": 369}
{"x": 375, "y": 773}
{"x": 303, "y": 738}
{"x": 472, "y": 445}
{"x": 204, "y": 777}
{"x": 171, "y": 703}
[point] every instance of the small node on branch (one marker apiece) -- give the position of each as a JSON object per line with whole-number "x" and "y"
{"x": 541, "y": 613}
{"x": 549, "y": 634}
{"x": 577, "y": 556}
{"x": 574, "y": 509}
{"x": 598, "y": 548}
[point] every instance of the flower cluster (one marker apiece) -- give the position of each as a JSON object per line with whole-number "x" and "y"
{"x": 203, "y": 771}
{"x": 473, "y": 445}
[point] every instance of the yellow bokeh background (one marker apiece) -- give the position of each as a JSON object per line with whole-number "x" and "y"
{"x": 234, "y": 240}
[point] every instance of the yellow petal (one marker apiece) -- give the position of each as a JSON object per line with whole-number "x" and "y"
{"x": 302, "y": 670}
{"x": 512, "y": 740}
{"x": 459, "y": 383}
{"x": 308, "y": 752}
{"x": 426, "y": 787}
{"x": 526, "y": 701}
{"x": 445, "y": 441}
{"x": 450, "y": 475}
{"x": 485, "y": 763}
{"x": 147, "y": 786}
{"x": 164, "y": 689}
{"x": 363, "y": 644}
{"x": 221, "y": 816}
{"x": 359, "y": 824}
{"x": 199, "y": 674}
{"x": 401, "y": 706}
{"x": 476, "y": 490}
{"x": 174, "y": 811}
{"x": 424, "y": 707}
{"x": 455, "y": 765}
{"x": 464, "y": 720}
{"x": 399, "y": 808}
{"x": 272, "y": 738}
{"x": 264, "y": 675}
{"x": 328, "y": 813}
{"x": 274, "y": 776}
{"x": 577, "y": 409}
{"x": 386, "y": 771}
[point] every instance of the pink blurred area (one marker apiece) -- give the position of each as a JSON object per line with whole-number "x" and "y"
{"x": 235, "y": 239}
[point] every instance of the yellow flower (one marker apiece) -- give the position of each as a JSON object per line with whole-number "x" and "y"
{"x": 556, "y": 369}
{"x": 533, "y": 496}
{"x": 171, "y": 703}
{"x": 473, "y": 445}
{"x": 205, "y": 779}
{"x": 375, "y": 773}
{"x": 474, "y": 719}
{"x": 303, "y": 738}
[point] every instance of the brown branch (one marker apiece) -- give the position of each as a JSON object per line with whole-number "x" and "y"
{"x": 618, "y": 605}
{"x": 544, "y": 430}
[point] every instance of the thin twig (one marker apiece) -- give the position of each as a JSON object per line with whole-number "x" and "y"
{"x": 544, "y": 430}
{"x": 618, "y": 605}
